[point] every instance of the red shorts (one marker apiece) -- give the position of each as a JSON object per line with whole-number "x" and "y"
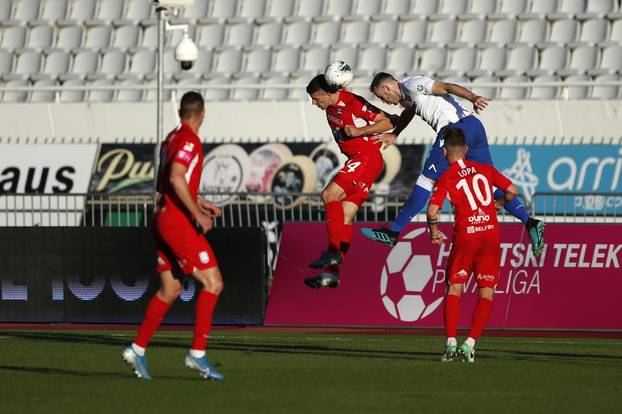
{"x": 359, "y": 174}
{"x": 178, "y": 242}
{"x": 478, "y": 255}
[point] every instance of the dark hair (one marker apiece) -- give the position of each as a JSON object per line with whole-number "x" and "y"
{"x": 191, "y": 105}
{"x": 319, "y": 83}
{"x": 454, "y": 137}
{"x": 379, "y": 78}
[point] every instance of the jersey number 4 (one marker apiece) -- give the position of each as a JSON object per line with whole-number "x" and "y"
{"x": 353, "y": 166}
{"x": 484, "y": 198}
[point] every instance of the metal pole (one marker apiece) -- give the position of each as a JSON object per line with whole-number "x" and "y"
{"x": 159, "y": 97}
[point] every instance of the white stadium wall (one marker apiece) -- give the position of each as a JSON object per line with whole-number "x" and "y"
{"x": 545, "y": 122}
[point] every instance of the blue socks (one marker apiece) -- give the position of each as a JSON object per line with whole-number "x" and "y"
{"x": 415, "y": 203}
{"x": 514, "y": 207}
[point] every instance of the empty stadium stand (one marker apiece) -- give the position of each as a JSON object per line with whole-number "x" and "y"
{"x": 113, "y": 42}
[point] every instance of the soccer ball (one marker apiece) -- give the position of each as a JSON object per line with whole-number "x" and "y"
{"x": 338, "y": 74}
{"x": 404, "y": 279}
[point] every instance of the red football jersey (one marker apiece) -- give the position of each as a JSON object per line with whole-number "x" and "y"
{"x": 469, "y": 186}
{"x": 353, "y": 110}
{"x": 182, "y": 146}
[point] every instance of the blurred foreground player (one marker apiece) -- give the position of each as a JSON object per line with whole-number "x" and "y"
{"x": 476, "y": 243}
{"x": 180, "y": 220}
{"x": 352, "y": 121}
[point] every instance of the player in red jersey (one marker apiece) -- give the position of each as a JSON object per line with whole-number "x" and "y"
{"x": 476, "y": 244}
{"x": 352, "y": 120}
{"x": 180, "y": 220}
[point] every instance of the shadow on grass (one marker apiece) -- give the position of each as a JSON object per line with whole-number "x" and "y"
{"x": 231, "y": 345}
{"x": 551, "y": 356}
{"x": 72, "y": 372}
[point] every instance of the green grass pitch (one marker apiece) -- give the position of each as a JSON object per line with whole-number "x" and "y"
{"x": 277, "y": 372}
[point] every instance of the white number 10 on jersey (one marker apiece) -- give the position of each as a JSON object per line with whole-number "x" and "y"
{"x": 484, "y": 199}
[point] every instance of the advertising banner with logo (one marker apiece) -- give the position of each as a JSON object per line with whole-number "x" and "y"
{"x": 107, "y": 275}
{"x": 568, "y": 287}
{"x": 30, "y": 176}
{"x": 565, "y": 169}
{"x": 292, "y": 167}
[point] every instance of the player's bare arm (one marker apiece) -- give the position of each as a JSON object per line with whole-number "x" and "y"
{"x": 208, "y": 208}
{"x": 479, "y": 102}
{"x": 381, "y": 124}
{"x": 402, "y": 122}
{"x": 436, "y": 236}
{"x": 509, "y": 195}
{"x": 180, "y": 186}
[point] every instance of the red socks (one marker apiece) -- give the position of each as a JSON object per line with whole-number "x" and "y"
{"x": 203, "y": 319}
{"x": 452, "y": 313}
{"x": 346, "y": 238}
{"x": 334, "y": 223}
{"x": 480, "y": 317}
{"x": 153, "y": 317}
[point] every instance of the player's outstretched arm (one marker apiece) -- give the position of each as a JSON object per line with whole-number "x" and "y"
{"x": 510, "y": 193}
{"x": 381, "y": 124}
{"x": 479, "y": 102}
{"x": 180, "y": 186}
{"x": 398, "y": 126}
{"x": 209, "y": 208}
{"x": 436, "y": 236}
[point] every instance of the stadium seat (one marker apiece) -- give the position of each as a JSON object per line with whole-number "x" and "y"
{"x": 315, "y": 58}
{"x": 203, "y": 64}
{"x": 268, "y": 34}
{"x": 510, "y": 9}
{"x": 222, "y": 8}
{"x": 346, "y": 53}
{"x": 414, "y": 32}
{"x": 41, "y": 37}
{"x": 593, "y": 31}
{"x": 218, "y": 95}
{"x": 338, "y": 8}
{"x": 452, "y": 9}
{"x": 310, "y": 8}
{"x": 610, "y": 62}
{"x": 245, "y": 94}
{"x": 598, "y": 8}
{"x": 298, "y": 94}
{"x": 257, "y": 60}
{"x": 545, "y": 92}
{"x": 56, "y": 63}
{"x": 425, "y": 7}
{"x": 460, "y": 61}
{"x": 239, "y": 34}
{"x": 142, "y": 63}
{"x": 15, "y": 96}
{"x": 252, "y": 8}
{"x": 269, "y": 94}
{"x": 514, "y": 93}
{"x": 53, "y": 10}
{"x": 400, "y": 59}
{"x": 540, "y": 8}
{"x": 28, "y": 62}
{"x": 72, "y": 96}
{"x": 486, "y": 91}
{"x": 354, "y": 31}
{"x": 552, "y": 59}
{"x": 114, "y": 62}
{"x": 174, "y": 37}
{"x": 503, "y": 32}
{"x": 42, "y": 96}
{"x": 606, "y": 92}
{"x": 228, "y": 60}
{"x": 326, "y": 32}
{"x": 563, "y": 32}
{"x": 472, "y": 33}
{"x": 110, "y": 10}
{"x": 577, "y": 92}
{"x": 13, "y": 38}
{"x": 26, "y": 10}
{"x": 209, "y": 35}
{"x": 432, "y": 60}
{"x": 383, "y": 31}
{"x": 281, "y": 8}
{"x": 196, "y": 11}
{"x": 6, "y": 62}
{"x": 533, "y": 32}
{"x": 80, "y": 11}
{"x": 297, "y": 33}
{"x": 396, "y": 7}
{"x": 569, "y": 8}
{"x": 491, "y": 60}
{"x": 442, "y": 32}
{"x": 150, "y": 37}
{"x": 371, "y": 59}
{"x": 581, "y": 60}
{"x": 151, "y": 94}
{"x": 127, "y": 95}
{"x": 482, "y": 7}
{"x": 367, "y": 8}
{"x": 138, "y": 10}
{"x": 520, "y": 60}
{"x": 85, "y": 62}
{"x": 100, "y": 95}
{"x": 97, "y": 37}
{"x": 171, "y": 66}
{"x": 69, "y": 38}
{"x": 6, "y": 10}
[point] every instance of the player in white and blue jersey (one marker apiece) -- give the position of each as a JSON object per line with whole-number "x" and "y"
{"x": 435, "y": 103}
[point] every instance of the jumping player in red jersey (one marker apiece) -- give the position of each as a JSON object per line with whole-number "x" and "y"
{"x": 180, "y": 220}
{"x": 476, "y": 244}
{"x": 352, "y": 120}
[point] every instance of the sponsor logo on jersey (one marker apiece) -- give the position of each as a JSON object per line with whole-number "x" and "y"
{"x": 420, "y": 88}
{"x": 485, "y": 278}
{"x": 461, "y": 273}
{"x": 189, "y": 146}
{"x": 479, "y": 218}
{"x": 339, "y": 111}
{"x": 334, "y": 120}
{"x": 204, "y": 257}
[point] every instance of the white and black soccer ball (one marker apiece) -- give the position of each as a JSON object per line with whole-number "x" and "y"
{"x": 339, "y": 74}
